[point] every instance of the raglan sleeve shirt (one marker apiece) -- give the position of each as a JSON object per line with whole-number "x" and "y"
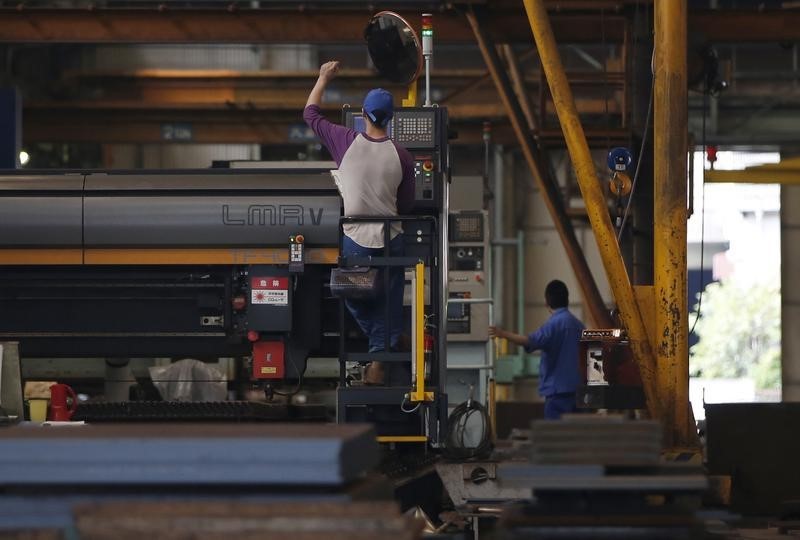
{"x": 405, "y": 191}
{"x": 337, "y": 139}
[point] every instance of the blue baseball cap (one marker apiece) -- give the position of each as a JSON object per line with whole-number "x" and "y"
{"x": 379, "y": 106}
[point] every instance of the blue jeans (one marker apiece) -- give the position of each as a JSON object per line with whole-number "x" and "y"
{"x": 370, "y": 315}
{"x": 558, "y": 404}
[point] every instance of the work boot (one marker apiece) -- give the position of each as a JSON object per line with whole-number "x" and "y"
{"x": 374, "y": 374}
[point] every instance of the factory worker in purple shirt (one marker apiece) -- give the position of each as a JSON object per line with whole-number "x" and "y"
{"x": 375, "y": 178}
{"x": 558, "y": 339}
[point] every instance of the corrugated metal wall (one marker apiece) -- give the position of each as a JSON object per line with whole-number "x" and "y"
{"x": 126, "y": 58}
{"x": 188, "y": 156}
{"x": 176, "y": 155}
{"x": 228, "y": 57}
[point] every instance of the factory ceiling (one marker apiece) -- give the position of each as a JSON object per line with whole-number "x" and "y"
{"x": 230, "y": 23}
{"x": 70, "y": 102}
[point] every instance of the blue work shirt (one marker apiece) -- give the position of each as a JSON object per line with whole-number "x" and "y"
{"x": 558, "y": 340}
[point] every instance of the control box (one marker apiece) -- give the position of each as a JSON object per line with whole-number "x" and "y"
{"x": 268, "y": 360}
{"x": 609, "y": 374}
{"x": 297, "y": 254}
{"x": 423, "y": 132}
{"x": 269, "y": 305}
{"x": 467, "y": 275}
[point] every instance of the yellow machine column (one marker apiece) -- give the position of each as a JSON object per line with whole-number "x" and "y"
{"x": 669, "y": 234}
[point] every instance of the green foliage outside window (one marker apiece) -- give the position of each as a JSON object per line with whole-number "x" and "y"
{"x": 740, "y": 333}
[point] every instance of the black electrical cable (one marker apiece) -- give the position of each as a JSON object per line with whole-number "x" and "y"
{"x": 638, "y": 163}
{"x": 646, "y": 126}
{"x": 294, "y": 391}
{"x": 409, "y": 411}
{"x": 702, "y": 214}
{"x": 607, "y": 115}
{"x": 300, "y": 375}
{"x": 455, "y": 445}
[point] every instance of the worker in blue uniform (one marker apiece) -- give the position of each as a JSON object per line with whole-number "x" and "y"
{"x": 558, "y": 340}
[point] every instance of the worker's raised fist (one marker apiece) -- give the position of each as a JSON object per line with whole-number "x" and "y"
{"x": 328, "y": 70}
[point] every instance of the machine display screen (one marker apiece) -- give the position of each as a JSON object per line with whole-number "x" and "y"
{"x": 458, "y": 315}
{"x": 360, "y": 125}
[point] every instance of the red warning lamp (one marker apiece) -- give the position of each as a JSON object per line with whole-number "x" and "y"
{"x": 711, "y": 153}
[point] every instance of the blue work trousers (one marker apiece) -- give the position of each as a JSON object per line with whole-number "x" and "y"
{"x": 370, "y": 315}
{"x": 557, "y": 404}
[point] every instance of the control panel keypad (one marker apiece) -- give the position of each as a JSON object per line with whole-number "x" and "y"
{"x": 416, "y": 127}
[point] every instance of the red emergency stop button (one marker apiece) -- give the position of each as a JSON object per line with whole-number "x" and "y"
{"x": 427, "y": 166}
{"x": 239, "y": 303}
{"x": 253, "y": 336}
{"x": 299, "y": 239}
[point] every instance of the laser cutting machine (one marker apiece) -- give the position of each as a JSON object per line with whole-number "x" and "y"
{"x": 202, "y": 263}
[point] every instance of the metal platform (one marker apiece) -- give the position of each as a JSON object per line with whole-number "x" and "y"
{"x": 477, "y": 483}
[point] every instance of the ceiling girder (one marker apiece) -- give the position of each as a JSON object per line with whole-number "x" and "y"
{"x": 37, "y": 25}
{"x": 505, "y": 25}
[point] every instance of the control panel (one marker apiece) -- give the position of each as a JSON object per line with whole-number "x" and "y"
{"x": 467, "y": 258}
{"x": 467, "y": 275}
{"x": 424, "y": 177}
{"x": 609, "y": 375}
{"x": 297, "y": 254}
{"x": 467, "y": 227}
{"x": 415, "y": 128}
{"x": 459, "y": 316}
{"x": 423, "y": 132}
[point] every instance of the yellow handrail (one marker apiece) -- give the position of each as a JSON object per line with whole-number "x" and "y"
{"x": 419, "y": 393}
{"x": 402, "y": 438}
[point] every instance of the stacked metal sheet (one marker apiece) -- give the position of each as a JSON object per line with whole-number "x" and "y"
{"x": 600, "y": 440}
{"x": 221, "y": 520}
{"x": 187, "y": 454}
{"x": 599, "y": 453}
{"x": 594, "y": 477}
{"x": 153, "y": 411}
{"x": 198, "y": 411}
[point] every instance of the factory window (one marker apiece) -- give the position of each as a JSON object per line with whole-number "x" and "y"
{"x": 734, "y": 258}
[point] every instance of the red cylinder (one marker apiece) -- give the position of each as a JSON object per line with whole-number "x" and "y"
{"x": 59, "y": 410}
{"x": 428, "y": 343}
{"x": 711, "y": 153}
